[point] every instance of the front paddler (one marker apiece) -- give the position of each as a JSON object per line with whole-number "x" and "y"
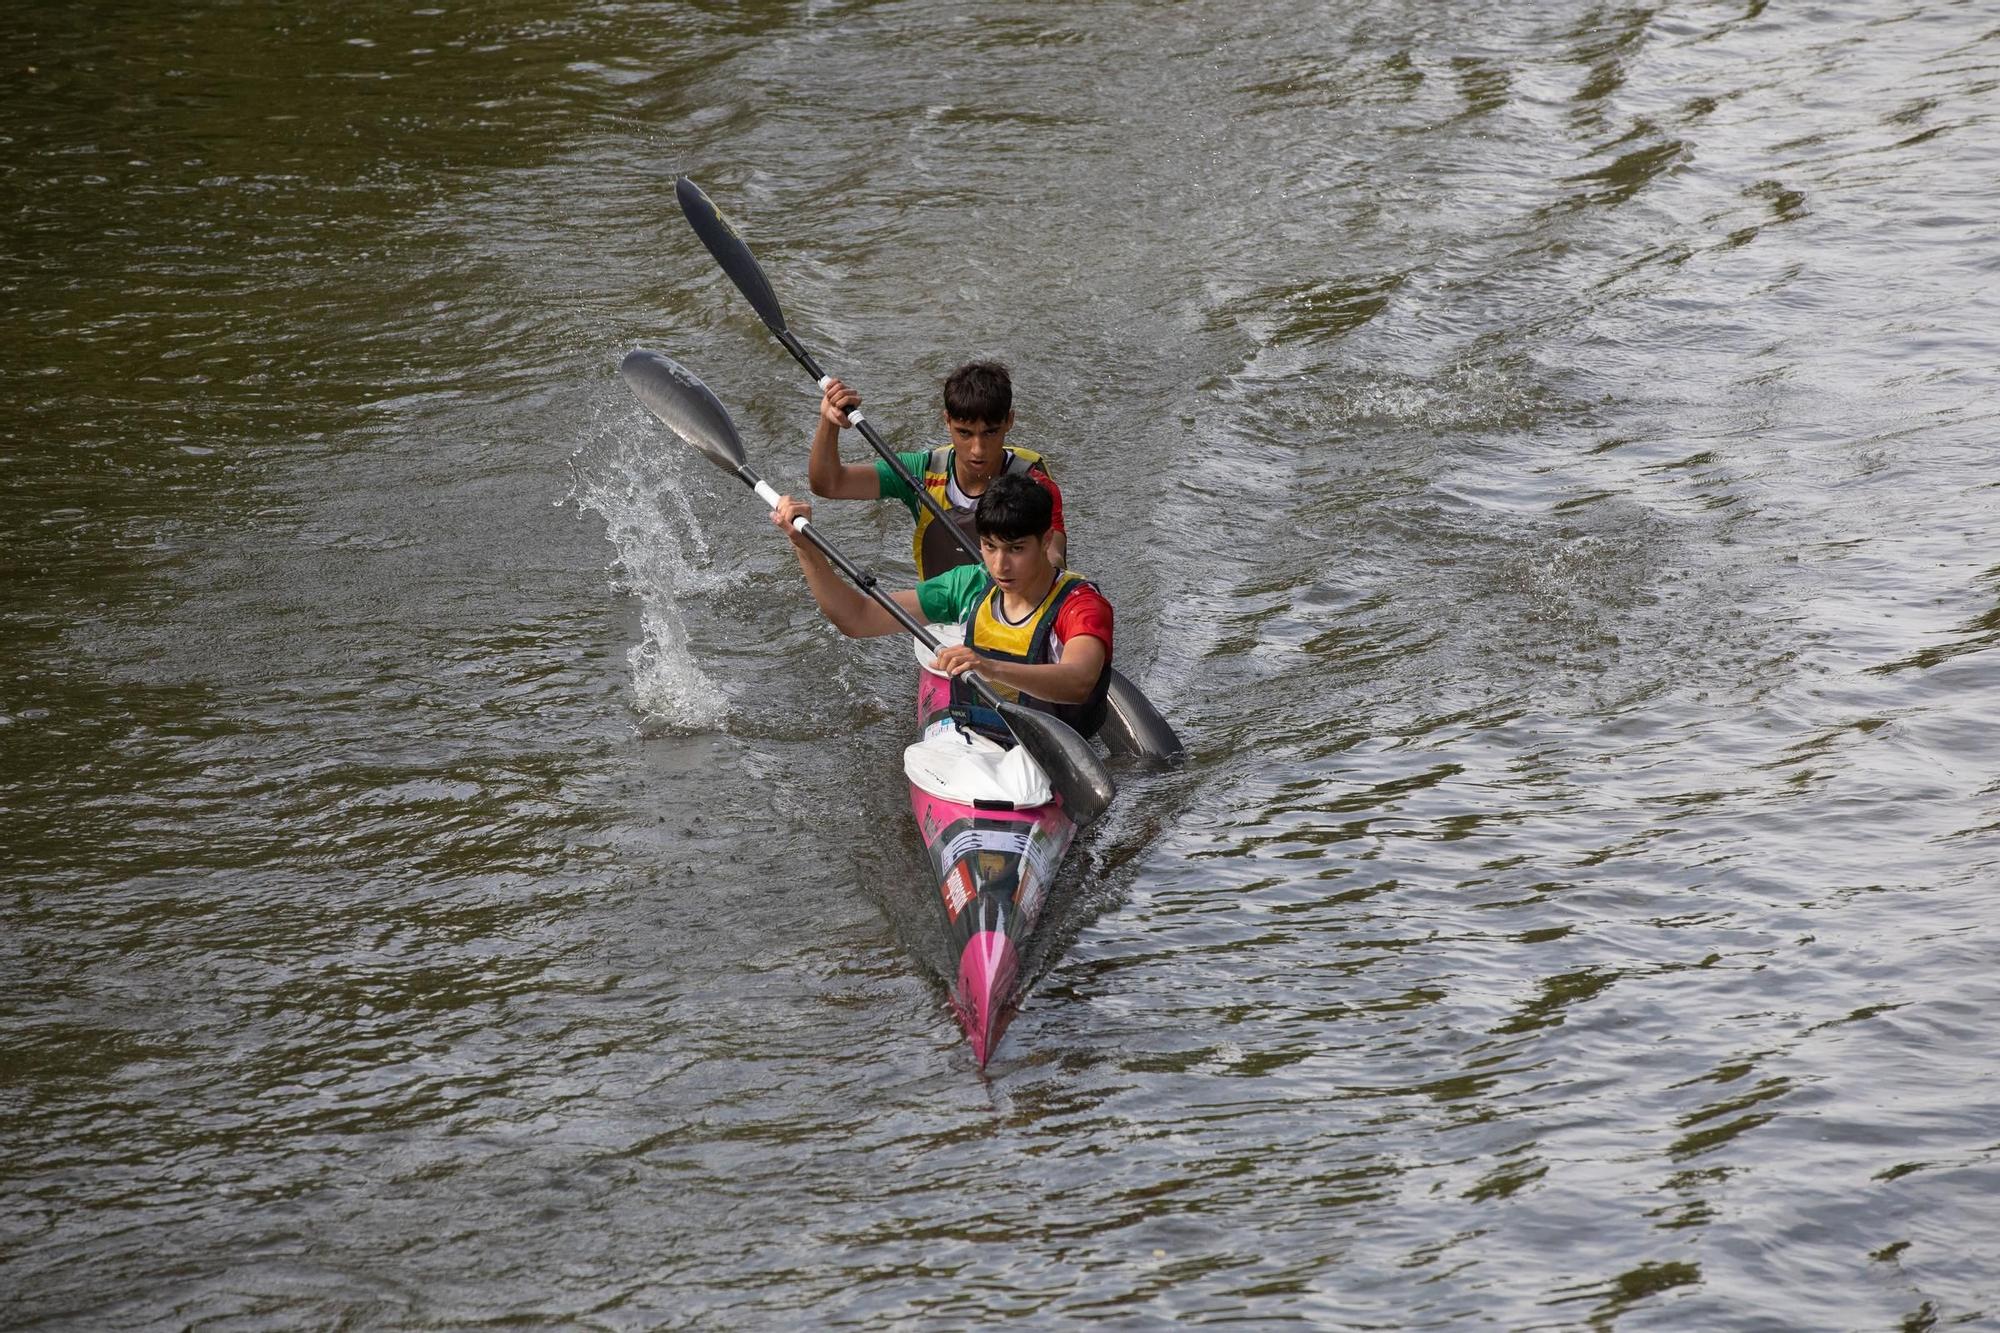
{"x": 1034, "y": 632}
{"x": 978, "y": 414}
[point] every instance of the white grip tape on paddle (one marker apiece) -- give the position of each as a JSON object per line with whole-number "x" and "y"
{"x": 770, "y": 496}
{"x": 854, "y": 418}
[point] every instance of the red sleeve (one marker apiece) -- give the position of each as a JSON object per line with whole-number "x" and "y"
{"x": 1085, "y": 612}
{"x": 1055, "y": 494}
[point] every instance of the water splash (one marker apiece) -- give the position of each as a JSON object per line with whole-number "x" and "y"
{"x": 630, "y": 478}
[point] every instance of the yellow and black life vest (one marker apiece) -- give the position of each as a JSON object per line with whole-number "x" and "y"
{"x": 933, "y": 548}
{"x": 990, "y": 635}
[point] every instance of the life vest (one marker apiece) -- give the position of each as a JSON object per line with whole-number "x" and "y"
{"x": 987, "y": 634}
{"x": 933, "y": 548}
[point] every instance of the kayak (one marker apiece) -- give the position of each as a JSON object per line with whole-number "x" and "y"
{"x": 995, "y": 820}
{"x": 995, "y": 834}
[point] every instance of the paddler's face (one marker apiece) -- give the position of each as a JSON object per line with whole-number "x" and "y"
{"x": 981, "y": 446}
{"x": 1019, "y": 564}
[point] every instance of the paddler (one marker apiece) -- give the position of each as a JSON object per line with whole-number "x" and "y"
{"x": 1033, "y": 631}
{"x": 978, "y": 413}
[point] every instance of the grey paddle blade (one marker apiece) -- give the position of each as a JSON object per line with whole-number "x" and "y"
{"x": 1132, "y": 726}
{"x": 684, "y": 404}
{"x": 1074, "y": 769}
{"x": 730, "y": 252}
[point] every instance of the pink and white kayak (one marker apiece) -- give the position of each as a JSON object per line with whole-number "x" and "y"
{"x": 995, "y": 833}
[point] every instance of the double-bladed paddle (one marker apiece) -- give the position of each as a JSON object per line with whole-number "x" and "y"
{"x": 686, "y": 407}
{"x": 1150, "y": 730}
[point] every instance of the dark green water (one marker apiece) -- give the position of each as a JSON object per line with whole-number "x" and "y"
{"x": 1544, "y": 462}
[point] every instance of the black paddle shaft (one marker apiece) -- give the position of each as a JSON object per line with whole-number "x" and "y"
{"x": 868, "y": 584}
{"x": 733, "y": 253}
{"x": 881, "y": 448}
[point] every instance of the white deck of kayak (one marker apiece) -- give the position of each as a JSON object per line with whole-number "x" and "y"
{"x": 966, "y": 767}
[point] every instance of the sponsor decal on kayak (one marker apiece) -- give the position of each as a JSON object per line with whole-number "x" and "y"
{"x": 1003, "y": 840}
{"x": 1038, "y": 864}
{"x": 1042, "y": 854}
{"x": 1028, "y": 898}
{"x": 958, "y": 892}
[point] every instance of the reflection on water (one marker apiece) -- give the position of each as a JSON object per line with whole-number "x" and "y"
{"x": 1542, "y": 458}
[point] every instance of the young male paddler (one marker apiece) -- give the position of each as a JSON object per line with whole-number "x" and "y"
{"x": 978, "y": 413}
{"x": 1034, "y": 632}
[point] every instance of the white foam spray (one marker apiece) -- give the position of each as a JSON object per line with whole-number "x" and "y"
{"x": 631, "y": 476}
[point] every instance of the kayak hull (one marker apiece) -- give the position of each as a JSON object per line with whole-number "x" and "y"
{"x": 993, "y": 868}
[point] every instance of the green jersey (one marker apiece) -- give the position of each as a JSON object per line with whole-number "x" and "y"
{"x": 946, "y": 598}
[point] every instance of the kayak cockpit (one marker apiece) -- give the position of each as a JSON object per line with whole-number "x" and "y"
{"x": 959, "y": 764}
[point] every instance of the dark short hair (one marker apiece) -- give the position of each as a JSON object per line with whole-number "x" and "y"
{"x": 1012, "y": 507}
{"x": 979, "y": 391}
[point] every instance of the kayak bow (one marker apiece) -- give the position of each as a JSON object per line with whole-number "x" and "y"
{"x": 995, "y": 835}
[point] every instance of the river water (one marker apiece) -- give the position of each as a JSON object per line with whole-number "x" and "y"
{"x": 1543, "y": 464}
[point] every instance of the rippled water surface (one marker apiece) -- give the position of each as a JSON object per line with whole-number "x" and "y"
{"x": 1543, "y": 461}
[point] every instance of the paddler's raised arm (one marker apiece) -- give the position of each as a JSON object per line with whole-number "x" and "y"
{"x": 845, "y": 606}
{"x": 829, "y": 477}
